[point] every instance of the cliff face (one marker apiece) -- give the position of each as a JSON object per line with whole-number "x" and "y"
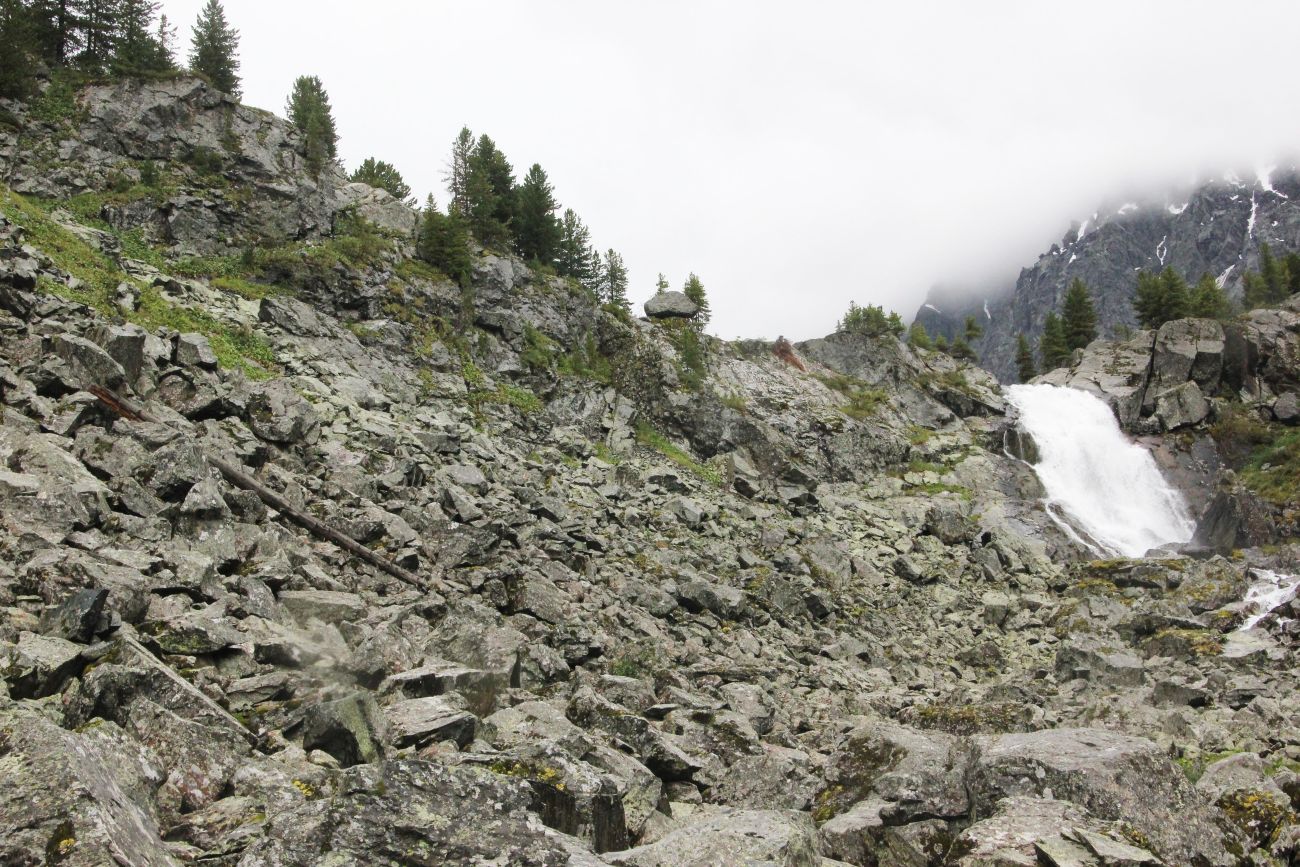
{"x": 307, "y": 549}
{"x": 1217, "y": 228}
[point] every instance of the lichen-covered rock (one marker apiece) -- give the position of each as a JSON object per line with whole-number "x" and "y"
{"x": 779, "y": 838}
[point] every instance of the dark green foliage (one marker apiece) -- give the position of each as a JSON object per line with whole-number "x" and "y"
{"x": 384, "y": 176}
{"x": 972, "y": 331}
{"x": 689, "y": 344}
{"x": 941, "y": 343}
{"x": 490, "y": 191}
{"x": 871, "y": 321}
{"x": 139, "y": 49}
{"x": 1079, "y": 316}
{"x": 308, "y": 107}
{"x": 694, "y": 290}
{"x": 443, "y": 242}
{"x": 457, "y": 175}
{"x": 213, "y": 52}
{"x": 1271, "y": 284}
{"x": 918, "y": 337}
{"x": 661, "y": 283}
{"x": 56, "y": 29}
{"x": 961, "y": 349}
{"x": 614, "y": 281}
{"x": 538, "y": 234}
{"x": 577, "y": 258}
{"x": 17, "y": 63}
{"x": 1161, "y": 298}
{"x": 99, "y": 34}
{"x": 1208, "y": 300}
{"x": 1053, "y": 349}
{"x": 1024, "y": 359}
{"x": 1291, "y": 261}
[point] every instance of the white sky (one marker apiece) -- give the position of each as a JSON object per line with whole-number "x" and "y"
{"x": 797, "y": 155}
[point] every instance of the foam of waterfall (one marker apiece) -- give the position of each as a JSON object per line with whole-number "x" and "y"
{"x": 1108, "y": 488}
{"x": 1271, "y": 590}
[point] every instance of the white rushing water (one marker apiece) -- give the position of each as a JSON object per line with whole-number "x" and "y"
{"x": 1108, "y": 488}
{"x": 1271, "y": 590}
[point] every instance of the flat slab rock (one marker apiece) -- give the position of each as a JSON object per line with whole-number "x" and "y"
{"x": 776, "y": 837}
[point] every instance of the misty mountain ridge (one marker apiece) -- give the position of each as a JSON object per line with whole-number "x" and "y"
{"x": 1214, "y": 226}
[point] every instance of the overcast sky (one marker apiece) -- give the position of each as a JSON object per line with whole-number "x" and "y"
{"x": 798, "y": 155}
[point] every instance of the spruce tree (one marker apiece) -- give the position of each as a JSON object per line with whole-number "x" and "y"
{"x": 1209, "y": 301}
{"x": 917, "y": 336}
{"x": 1174, "y": 296}
{"x": 1078, "y": 316}
{"x": 574, "y": 257}
{"x": 538, "y": 234}
{"x": 1052, "y": 346}
{"x": 661, "y": 283}
{"x": 140, "y": 49}
{"x": 941, "y": 343}
{"x": 694, "y": 290}
{"x": 971, "y": 331}
{"x": 214, "y": 47}
{"x": 443, "y": 242}
{"x": 17, "y": 63}
{"x": 961, "y": 349}
{"x": 490, "y": 191}
{"x": 56, "y": 25}
{"x": 1024, "y": 359}
{"x": 384, "y": 176}
{"x": 896, "y": 326}
{"x": 1148, "y": 300}
{"x": 457, "y": 174}
{"x": 1292, "y": 263}
{"x": 308, "y": 107}
{"x": 1275, "y": 275}
{"x": 615, "y": 280}
{"x": 99, "y": 34}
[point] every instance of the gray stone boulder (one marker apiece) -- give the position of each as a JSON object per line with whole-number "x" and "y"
{"x": 1286, "y": 409}
{"x": 125, "y": 344}
{"x": 88, "y": 364}
{"x": 726, "y": 836}
{"x": 671, "y": 305}
{"x": 389, "y": 812}
{"x": 350, "y": 729}
{"x": 39, "y": 665}
{"x": 279, "y": 414}
{"x": 1181, "y": 406}
{"x": 1188, "y": 350}
{"x": 194, "y": 350}
{"x": 1113, "y": 776}
{"x": 378, "y": 207}
{"x": 420, "y": 721}
{"x": 77, "y": 798}
{"x": 1235, "y": 518}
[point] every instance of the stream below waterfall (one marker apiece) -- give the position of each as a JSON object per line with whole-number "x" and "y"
{"x": 1106, "y": 491}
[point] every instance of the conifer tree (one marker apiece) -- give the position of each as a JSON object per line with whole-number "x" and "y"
{"x": 491, "y": 194}
{"x": 443, "y": 242}
{"x": 961, "y": 349}
{"x": 166, "y": 36}
{"x": 971, "y": 331}
{"x": 917, "y": 336}
{"x": 661, "y": 284}
{"x": 1292, "y": 263}
{"x": 1271, "y": 284}
{"x": 385, "y": 176}
{"x": 308, "y": 107}
{"x": 575, "y": 257}
{"x": 1208, "y": 300}
{"x": 1176, "y": 299}
{"x": 941, "y": 343}
{"x": 538, "y": 234}
{"x": 1024, "y": 359}
{"x": 1079, "y": 316}
{"x": 56, "y": 25}
{"x": 139, "y": 48}
{"x": 896, "y": 326}
{"x": 214, "y": 47}
{"x": 99, "y": 34}
{"x": 457, "y": 173}
{"x": 17, "y": 63}
{"x": 694, "y": 290}
{"x": 1052, "y": 346}
{"x": 615, "y": 280}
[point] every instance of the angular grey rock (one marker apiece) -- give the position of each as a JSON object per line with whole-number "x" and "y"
{"x": 77, "y": 617}
{"x": 279, "y": 414}
{"x": 1286, "y": 409}
{"x": 1181, "y": 406}
{"x": 670, "y": 305}
{"x": 39, "y": 665}
{"x": 88, "y": 363}
{"x": 727, "y": 836}
{"x": 194, "y": 350}
{"x": 419, "y": 721}
{"x": 699, "y": 594}
{"x": 350, "y": 729}
{"x": 326, "y": 606}
{"x": 125, "y": 344}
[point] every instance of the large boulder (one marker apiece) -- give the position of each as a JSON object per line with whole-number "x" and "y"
{"x": 671, "y": 305}
{"x": 1180, "y": 406}
{"x": 770, "y": 837}
{"x": 1111, "y": 775}
{"x": 1188, "y": 350}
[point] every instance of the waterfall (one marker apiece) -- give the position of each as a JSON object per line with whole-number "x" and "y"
{"x": 1106, "y": 489}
